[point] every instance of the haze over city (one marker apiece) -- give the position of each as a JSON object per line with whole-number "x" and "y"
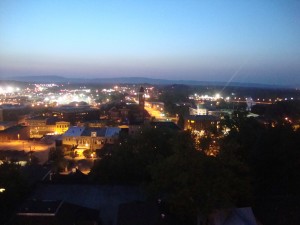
{"x": 238, "y": 41}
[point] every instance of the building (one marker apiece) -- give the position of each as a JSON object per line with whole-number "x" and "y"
{"x": 14, "y": 133}
{"x": 40, "y": 126}
{"x": 76, "y": 113}
{"x": 90, "y": 138}
{"x": 128, "y": 114}
{"x": 202, "y": 123}
{"x": 141, "y": 95}
{"x": 200, "y": 110}
{"x": 61, "y": 127}
{"x": 15, "y": 113}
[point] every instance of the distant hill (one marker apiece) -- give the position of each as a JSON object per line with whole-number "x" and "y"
{"x": 42, "y": 79}
{"x": 134, "y": 80}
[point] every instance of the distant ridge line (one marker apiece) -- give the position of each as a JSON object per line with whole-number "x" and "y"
{"x": 133, "y": 80}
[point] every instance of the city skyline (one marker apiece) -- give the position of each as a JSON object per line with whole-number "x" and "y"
{"x": 232, "y": 41}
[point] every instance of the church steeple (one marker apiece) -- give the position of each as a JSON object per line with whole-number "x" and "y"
{"x": 142, "y": 98}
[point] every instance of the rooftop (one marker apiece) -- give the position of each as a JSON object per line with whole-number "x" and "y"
{"x": 74, "y": 131}
{"x": 202, "y": 118}
{"x": 100, "y": 132}
{"x": 39, "y": 208}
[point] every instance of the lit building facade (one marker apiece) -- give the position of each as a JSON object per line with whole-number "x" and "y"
{"x": 90, "y": 138}
{"x": 40, "y": 126}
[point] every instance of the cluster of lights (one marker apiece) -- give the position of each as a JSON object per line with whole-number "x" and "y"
{"x": 288, "y": 119}
{"x": 9, "y": 90}
{"x": 108, "y": 90}
{"x": 218, "y": 96}
{"x": 68, "y": 98}
{"x": 46, "y": 85}
{"x": 206, "y": 97}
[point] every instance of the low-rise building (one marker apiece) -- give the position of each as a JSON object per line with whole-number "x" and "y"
{"x": 76, "y": 113}
{"x": 40, "y": 126}
{"x": 202, "y": 123}
{"x": 90, "y": 138}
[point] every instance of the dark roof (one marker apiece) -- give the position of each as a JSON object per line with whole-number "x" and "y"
{"x": 39, "y": 208}
{"x": 75, "y": 213}
{"x": 55, "y": 212}
{"x": 14, "y": 130}
{"x": 202, "y": 118}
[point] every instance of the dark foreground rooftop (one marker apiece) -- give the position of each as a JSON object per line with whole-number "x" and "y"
{"x": 103, "y": 198}
{"x": 36, "y": 212}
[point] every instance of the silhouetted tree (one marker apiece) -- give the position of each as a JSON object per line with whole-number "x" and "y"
{"x": 56, "y": 157}
{"x": 14, "y": 189}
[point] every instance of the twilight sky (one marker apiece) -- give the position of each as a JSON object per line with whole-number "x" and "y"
{"x": 247, "y": 41}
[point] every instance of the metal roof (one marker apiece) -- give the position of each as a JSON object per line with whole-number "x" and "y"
{"x": 74, "y": 131}
{"x": 112, "y": 131}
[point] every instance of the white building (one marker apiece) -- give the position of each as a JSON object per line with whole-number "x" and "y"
{"x": 90, "y": 138}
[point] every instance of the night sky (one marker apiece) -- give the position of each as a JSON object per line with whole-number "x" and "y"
{"x": 253, "y": 41}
